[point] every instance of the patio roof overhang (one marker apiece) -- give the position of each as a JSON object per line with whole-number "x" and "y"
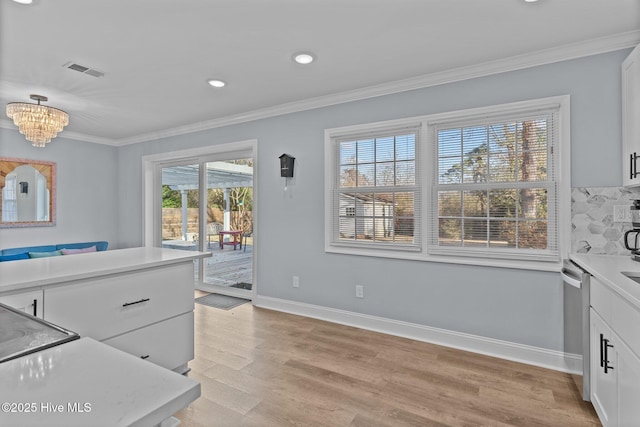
{"x": 219, "y": 175}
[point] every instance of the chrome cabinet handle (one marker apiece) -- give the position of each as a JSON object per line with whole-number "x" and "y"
{"x": 126, "y": 304}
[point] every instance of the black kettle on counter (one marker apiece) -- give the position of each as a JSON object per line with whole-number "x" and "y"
{"x": 632, "y": 237}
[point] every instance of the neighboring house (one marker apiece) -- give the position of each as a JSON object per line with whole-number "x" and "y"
{"x": 361, "y": 218}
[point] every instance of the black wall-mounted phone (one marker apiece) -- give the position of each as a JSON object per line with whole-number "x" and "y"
{"x": 286, "y": 166}
{"x": 24, "y": 187}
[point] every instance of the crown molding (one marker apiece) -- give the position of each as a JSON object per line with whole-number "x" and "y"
{"x": 8, "y": 124}
{"x": 87, "y": 138}
{"x": 547, "y": 56}
{"x": 542, "y": 57}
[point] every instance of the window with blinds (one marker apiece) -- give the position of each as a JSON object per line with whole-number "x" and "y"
{"x": 376, "y": 190}
{"x": 495, "y": 186}
{"x": 488, "y": 185}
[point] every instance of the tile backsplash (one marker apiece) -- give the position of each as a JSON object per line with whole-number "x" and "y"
{"x": 593, "y": 229}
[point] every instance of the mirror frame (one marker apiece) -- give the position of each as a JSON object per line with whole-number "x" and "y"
{"x": 48, "y": 170}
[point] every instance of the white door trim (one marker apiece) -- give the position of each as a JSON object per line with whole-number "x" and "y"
{"x": 151, "y": 235}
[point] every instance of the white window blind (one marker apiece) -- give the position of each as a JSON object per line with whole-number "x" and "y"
{"x": 495, "y": 189}
{"x": 376, "y": 193}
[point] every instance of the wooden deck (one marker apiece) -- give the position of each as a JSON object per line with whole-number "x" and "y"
{"x": 226, "y": 267}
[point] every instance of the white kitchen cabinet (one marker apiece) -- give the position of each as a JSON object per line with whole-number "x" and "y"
{"x": 604, "y": 393}
{"x": 631, "y": 119}
{"x": 628, "y": 390}
{"x": 140, "y": 300}
{"x": 106, "y": 307}
{"x": 30, "y": 302}
{"x": 147, "y": 313}
{"x": 615, "y": 364}
{"x": 168, "y": 343}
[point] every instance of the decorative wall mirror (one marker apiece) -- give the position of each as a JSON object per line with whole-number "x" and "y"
{"x": 27, "y": 193}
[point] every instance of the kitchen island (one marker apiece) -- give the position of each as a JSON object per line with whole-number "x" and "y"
{"x": 139, "y": 300}
{"x": 37, "y": 273}
{"x": 133, "y": 309}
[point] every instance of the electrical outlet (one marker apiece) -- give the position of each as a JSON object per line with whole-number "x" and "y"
{"x": 296, "y": 281}
{"x": 359, "y": 291}
{"x": 621, "y": 213}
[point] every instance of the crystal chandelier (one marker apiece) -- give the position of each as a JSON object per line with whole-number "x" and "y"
{"x": 38, "y": 123}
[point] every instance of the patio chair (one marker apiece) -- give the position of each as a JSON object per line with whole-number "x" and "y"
{"x": 213, "y": 229}
{"x": 246, "y": 234}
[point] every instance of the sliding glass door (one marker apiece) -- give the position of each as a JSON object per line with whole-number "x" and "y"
{"x": 206, "y": 204}
{"x": 180, "y": 217}
{"x": 230, "y": 224}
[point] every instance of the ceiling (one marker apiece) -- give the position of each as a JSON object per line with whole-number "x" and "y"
{"x": 157, "y": 55}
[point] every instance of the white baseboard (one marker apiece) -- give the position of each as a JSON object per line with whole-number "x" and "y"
{"x": 551, "y": 359}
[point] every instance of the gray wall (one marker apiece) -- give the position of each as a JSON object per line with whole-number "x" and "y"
{"x": 514, "y": 305}
{"x": 100, "y": 197}
{"x": 86, "y": 191}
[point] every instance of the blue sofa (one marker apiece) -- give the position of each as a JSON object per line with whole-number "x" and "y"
{"x": 12, "y": 254}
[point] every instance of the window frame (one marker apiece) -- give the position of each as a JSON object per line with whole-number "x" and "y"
{"x": 550, "y": 185}
{"x": 333, "y": 137}
{"x": 426, "y": 159}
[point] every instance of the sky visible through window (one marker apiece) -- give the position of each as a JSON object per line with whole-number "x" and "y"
{"x": 380, "y": 161}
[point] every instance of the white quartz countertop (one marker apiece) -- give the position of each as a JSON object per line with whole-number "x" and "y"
{"x": 87, "y": 383}
{"x": 39, "y": 272}
{"x": 608, "y": 269}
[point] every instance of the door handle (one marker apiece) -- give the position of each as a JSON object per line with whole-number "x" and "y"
{"x": 601, "y": 351}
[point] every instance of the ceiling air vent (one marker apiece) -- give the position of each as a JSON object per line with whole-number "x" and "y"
{"x": 83, "y": 69}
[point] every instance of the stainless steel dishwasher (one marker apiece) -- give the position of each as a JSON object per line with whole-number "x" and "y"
{"x": 576, "y": 318}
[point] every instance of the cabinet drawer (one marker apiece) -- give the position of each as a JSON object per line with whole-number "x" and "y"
{"x": 168, "y": 343}
{"x": 626, "y": 323}
{"x": 107, "y": 307}
{"x": 601, "y": 298}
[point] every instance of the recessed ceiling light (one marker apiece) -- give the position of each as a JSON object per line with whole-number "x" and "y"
{"x": 303, "y": 58}
{"x": 23, "y": 1}
{"x": 530, "y": 1}
{"x": 216, "y": 83}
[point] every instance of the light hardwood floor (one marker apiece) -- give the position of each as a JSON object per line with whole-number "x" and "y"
{"x": 264, "y": 368}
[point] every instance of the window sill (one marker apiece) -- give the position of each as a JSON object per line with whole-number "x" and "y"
{"x": 447, "y": 259}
